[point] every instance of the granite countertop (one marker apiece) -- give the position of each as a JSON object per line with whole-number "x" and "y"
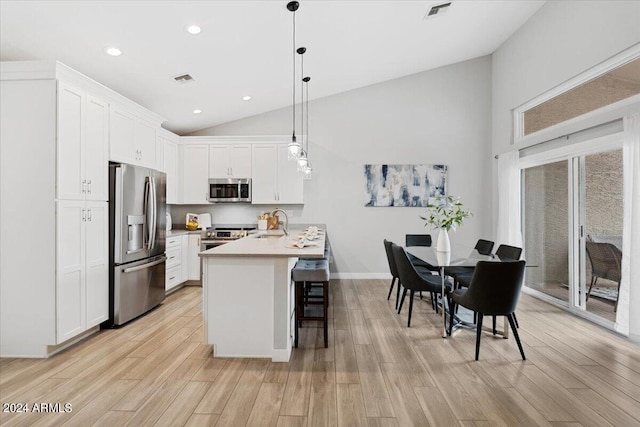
{"x": 270, "y": 245}
{"x": 174, "y": 232}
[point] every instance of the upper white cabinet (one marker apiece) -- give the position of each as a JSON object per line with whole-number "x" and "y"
{"x": 276, "y": 180}
{"x": 131, "y": 140}
{"x": 82, "y": 145}
{"x": 230, "y": 161}
{"x": 170, "y": 167}
{"x": 195, "y": 173}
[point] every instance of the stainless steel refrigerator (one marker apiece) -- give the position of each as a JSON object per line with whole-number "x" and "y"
{"x": 137, "y": 217}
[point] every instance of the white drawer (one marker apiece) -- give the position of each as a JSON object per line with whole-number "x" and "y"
{"x": 173, "y": 241}
{"x": 174, "y": 277}
{"x": 174, "y": 257}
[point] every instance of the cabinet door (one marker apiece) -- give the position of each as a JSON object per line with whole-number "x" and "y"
{"x": 97, "y": 263}
{"x": 70, "y": 266}
{"x": 97, "y": 149}
{"x": 194, "y": 259}
{"x": 290, "y": 181}
{"x": 240, "y": 161}
{"x": 264, "y": 164}
{"x": 170, "y": 160}
{"x": 196, "y": 174}
{"x": 70, "y": 149}
{"x": 219, "y": 161}
{"x": 145, "y": 143}
{"x": 184, "y": 266}
{"x": 121, "y": 136}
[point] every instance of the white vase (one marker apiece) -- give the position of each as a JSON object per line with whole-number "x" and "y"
{"x": 443, "y": 244}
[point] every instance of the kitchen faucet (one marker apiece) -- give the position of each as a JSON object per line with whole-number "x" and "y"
{"x": 286, "y": 218}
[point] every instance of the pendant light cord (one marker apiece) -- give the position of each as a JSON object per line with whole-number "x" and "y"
{"x": 307, "y": 109}
{"x": 294, "y": 75}
{"x": 302, "y": 99}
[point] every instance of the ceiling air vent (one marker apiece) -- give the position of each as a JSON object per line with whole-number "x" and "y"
{"x": 184, "y": 78}
{"x": 438, "y": 10}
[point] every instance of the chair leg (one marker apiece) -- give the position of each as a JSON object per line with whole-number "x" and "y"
{"x": 410, "y": 308}
{"x": 494, "y": 325}
{"x": 615, "y": 307}
{"x": 325, "y": 286}
{"x": 452, "y": 306}
{"x": 433, "y": 301}
{"x": 398, "y": 293}
{"x": 393, "y": 281}
{"x": 475, "y": 317}
{"x": 515, "y": 334}
{"x": 594, "y": 279}
{"x": 515, "y": 320}
{"x": 478, "y": 335}
{"x": 404, "y": 294}
{"x": 435, "y": 294}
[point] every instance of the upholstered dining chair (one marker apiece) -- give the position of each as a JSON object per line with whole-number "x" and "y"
{"x": 504, "y": 253}
{"x": 494, "y": 290}
{"x": 483, "y": 247}
{"x": 393, "y": 269}
{"x": 413, "y": 281}
{"x": 606, "y": 260}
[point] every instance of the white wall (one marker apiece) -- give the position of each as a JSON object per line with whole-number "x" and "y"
{"x": 439, "y": 116}
{"x": 562, "y": 40}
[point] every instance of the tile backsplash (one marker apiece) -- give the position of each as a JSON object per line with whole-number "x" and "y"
{"x": 232, "y": 213}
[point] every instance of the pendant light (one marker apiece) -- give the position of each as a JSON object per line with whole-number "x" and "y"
{"x": 307, "y": 170}
{"x": 302, "y": 158}
{"x": 294, "y": 148}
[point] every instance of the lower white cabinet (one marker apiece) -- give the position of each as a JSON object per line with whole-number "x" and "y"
{"x": 82, "y": 281}
{"x": 193, "y": 258}
{"x": 184, "y": 267}
{"x": 174, "y": 266}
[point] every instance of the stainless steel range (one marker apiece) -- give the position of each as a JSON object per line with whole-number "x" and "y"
{"x": 216, "y": 236}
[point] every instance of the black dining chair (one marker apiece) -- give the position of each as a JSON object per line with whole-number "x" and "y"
{"x": 421, "y": 240}
{"x": 483, "y": 247}
{"x": 413, "y": 281}
{"x": 504, "y": 253}
{"x": 393, "y": 269}
{"x": 494, "y": 290}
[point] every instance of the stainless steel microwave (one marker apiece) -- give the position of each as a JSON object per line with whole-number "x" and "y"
{"x": 224, "y": 190}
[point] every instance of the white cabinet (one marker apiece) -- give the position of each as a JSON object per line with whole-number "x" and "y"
{"x": 174, "y": 262}
{"x": 184, "y": 266}
{"x": 170, "y": 167}
{"x": 230, "y": 161}
{"x": 195, "y": 174}
{"x": 275, "y": 179}
{"x": 131, "y": 140}
{"x": 82, "y": 289}
{"x": 82, "y": 145}
{"x": 192, "y": 257}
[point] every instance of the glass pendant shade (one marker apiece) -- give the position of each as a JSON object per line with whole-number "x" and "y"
{"x": 306, "y": 172}
{"x": 294, "y": 149}
{"x": 302, "y": 161}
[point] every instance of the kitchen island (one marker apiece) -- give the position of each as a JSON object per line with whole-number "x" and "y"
{"x": 247, "y": 294}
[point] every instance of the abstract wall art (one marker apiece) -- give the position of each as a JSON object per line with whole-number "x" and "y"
{"x": 404, "y": 185}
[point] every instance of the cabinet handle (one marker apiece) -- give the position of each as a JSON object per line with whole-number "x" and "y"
{"x": 172, "y": 257}
{"x": 89, "y": 186}
{"x": 89, "y": 215}
{"x": 84, "y": 215}
{"x": 84, "y": 186}
{"x": 171, "y": 278}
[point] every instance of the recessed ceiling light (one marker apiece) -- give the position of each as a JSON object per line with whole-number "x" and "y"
{"x": 113, "y": 51}
{"x": 197, "y": 111}
{"x": 246, "y": 98}
{"x": 193, "y": 29}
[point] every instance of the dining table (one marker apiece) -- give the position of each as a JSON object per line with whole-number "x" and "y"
{"x": 458, "y": 256}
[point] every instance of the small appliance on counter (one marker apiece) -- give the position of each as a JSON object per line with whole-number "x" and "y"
{"x": 169, "y": 222}
{"x": 204, "y": 221}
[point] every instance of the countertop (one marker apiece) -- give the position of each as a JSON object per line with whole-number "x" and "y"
{"x": 269, "y": 246}
{"x": 175, "y": 232}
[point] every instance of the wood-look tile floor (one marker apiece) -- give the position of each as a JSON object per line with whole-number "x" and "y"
{"x": 376, "y": 372}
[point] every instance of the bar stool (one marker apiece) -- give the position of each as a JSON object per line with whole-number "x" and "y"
{"x": 310, "y": 271}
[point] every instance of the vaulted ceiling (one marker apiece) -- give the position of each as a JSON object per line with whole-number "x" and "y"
{"x": 245, "y": 47}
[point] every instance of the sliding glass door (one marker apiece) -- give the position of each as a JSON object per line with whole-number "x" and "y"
{"x": 572, "y": 212}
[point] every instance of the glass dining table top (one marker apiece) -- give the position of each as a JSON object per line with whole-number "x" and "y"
{"x": 459, "y": 256}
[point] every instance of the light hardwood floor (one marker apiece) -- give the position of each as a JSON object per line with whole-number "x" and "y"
{"x": 376, "y": 372}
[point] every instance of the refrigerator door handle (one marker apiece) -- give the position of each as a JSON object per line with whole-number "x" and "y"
{"x": 154, "y": 214}
{"x": 147, "y": 214}
{"x": 144, "y": 266}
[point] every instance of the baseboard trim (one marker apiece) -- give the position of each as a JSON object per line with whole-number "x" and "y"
{"x": 361, "y": 276}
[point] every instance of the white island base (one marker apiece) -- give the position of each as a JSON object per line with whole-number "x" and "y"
{"x": 247, "y": 306}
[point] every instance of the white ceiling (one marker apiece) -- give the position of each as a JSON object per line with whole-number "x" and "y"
{"x": 245, "y": 47}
